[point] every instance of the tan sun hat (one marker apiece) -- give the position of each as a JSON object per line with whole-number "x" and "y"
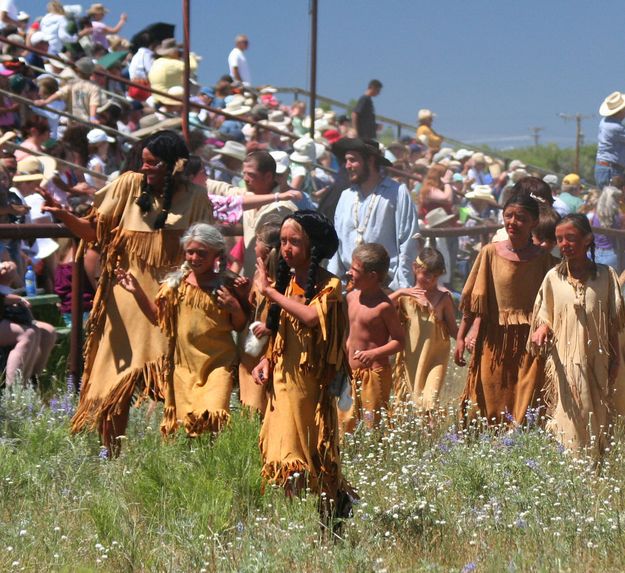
{"x": 34, "y": 168}
{"x": 614, "y": 103}
{"x": 437, "y": 217}
{"x": 483, "y": 193}
{"x": 234, "y": 149}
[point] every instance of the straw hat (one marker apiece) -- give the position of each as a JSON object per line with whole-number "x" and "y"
{"x": 482, "y": 193}
{"x": 97, "y": 9}
{"x": 437, "y": 217}
{"x": 611, "y": 105}
{"x": 303, "y": 150}
{"x": 168, "y": 47}
{"x": 236, "y": 106}
{"x": 277, "y": 119}
{"x": 35, "y": 169}
{"x": 234, "y": 149}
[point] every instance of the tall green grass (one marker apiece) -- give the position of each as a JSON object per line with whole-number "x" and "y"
{"x": 433, "y": 498}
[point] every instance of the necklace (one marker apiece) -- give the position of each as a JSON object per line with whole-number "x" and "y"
{"x": 361, "y": 228}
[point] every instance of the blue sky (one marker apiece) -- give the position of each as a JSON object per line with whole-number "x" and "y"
{"x": 490, "y": 69}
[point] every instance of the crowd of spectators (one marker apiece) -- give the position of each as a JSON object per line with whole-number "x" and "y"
{"x": 70, "y": 124}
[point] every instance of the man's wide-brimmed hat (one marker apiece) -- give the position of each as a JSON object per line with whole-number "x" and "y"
{"x": 168, "y": 47}
{"x": 234, "y": 149}
{"x": 483, "y": 193}
{"x": 614, "y": 103}
{"x": 366, "y": 147}
{"x": 236, "y": 105}
{"x": 437, "y": 217}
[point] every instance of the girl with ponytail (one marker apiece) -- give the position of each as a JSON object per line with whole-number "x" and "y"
{"x": 578, "y": 317}
{"x": 196, "y": 307}
{"x": 299, "y": 437}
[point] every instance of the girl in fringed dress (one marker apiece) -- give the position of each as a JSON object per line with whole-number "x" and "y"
{"x": 197, "y": 307}
{"x": 504, "y": 380}
{"x": 299, "y": 438}
{"x": 428, "y": 315}
{"x": 578, "y": 316}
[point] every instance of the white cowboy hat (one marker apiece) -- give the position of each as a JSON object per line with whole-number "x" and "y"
{"x": 277, "y": 119}
{"x": 425, "y": 114}
{"x": 282, "y": 161}
{"x": 234, "y": 149}
{"x": 614, "y": 103}
{"x": 437, "y": 217}
{"x": 483, "y": 193}
{"x": 303, "y": 150}
{"x": 236, "y": 106}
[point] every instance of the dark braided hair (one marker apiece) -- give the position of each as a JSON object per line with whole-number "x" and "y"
{"x": 582, "y": 224}
{"x": 169, "y": 147}
{"x": 323, "y": 242}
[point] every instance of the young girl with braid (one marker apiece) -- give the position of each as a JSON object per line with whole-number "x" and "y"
{"x": 196, "y": 307}
{"x": 136, "y": 223}
{"x": 578, "y": 316}
{"x": 299, "y": 439}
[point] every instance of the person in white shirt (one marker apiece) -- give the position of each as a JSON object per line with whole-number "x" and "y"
{"x": 8, "y": 16}
{"x": 239, "y": 69}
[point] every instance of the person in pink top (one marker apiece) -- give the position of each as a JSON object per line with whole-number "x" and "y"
{"x": 99, "y": 30}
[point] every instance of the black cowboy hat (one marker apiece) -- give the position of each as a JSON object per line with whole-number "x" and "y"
{"x": 366, "y": 147}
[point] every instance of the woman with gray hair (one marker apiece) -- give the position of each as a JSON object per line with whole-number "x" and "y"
{"x": 608, "y": 214}
{"x": 197, "y": 307}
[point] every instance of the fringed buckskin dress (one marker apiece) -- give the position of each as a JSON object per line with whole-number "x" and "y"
{"x": 300, "y": 430}
{"x": 125, "y": 353}
{"x": 579, "y": 393}
{"x": 504, "y": 380}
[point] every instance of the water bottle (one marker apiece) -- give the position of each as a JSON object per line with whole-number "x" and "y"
{"x": 30, "y": 282}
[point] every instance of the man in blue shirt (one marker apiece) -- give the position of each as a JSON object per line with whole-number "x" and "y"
{"x": 611, "y": 140}
{"x": 374, "y": 209}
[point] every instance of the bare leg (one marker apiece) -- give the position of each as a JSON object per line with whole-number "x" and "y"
{"x": 21, "y": 358}
{"x": 110, "y": 430}
{"x": 47, "y": 341}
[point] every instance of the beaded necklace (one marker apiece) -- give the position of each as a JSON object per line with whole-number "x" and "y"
{"x": 361, "y": 228}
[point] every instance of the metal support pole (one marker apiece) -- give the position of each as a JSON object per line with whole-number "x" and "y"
{"x": 313, "y": 65}
{"x": 75, "y": 356}
{"x": 187, "y": 67}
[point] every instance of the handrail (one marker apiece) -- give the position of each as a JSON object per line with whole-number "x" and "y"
{"x": 30, "y": 102}
{"x": 402, "y": 124}
{"x": 57, "y": 159}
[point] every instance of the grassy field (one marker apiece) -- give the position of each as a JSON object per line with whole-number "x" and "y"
{"x": 433, "y": 499}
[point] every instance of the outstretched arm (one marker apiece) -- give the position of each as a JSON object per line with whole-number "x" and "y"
{"x": 80, "y": 227}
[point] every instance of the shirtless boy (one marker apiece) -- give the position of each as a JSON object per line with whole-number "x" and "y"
{"x": 375, "y": 333}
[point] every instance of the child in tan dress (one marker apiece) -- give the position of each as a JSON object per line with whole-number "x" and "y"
{"x": 429, "y": 318}
{"x": 375, "y": 333}
{"x": 578, "y": 317}
{"x": 299, "y": 438}
{"x": 197, "y": 307}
